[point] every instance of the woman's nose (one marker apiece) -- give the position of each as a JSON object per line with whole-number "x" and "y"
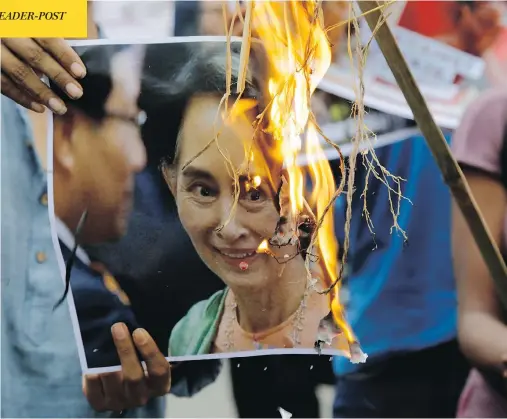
{"x": 230, "y": 227}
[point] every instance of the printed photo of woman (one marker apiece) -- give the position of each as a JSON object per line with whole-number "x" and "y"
{"x": 266, "y": 304}
{"x": 226, "y": 175}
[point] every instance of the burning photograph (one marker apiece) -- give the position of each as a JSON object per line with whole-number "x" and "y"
{"x": 192, "y": 145}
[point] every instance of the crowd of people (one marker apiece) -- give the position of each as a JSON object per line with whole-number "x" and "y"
{"x": 422, "y": 304}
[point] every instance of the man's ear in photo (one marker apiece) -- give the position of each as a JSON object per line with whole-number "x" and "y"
{"x": 63, "y": 147}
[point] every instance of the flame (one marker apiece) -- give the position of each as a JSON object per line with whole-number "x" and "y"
{"x": 263, "y": 247}
{"x": 299, "y": 55}
{"x": 292, "y": 79}
{"x": 323, "y": 189}
{"x": 256, "y": 181}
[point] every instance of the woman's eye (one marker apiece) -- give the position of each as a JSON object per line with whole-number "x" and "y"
{"x": 203, "y": 191}
{"x": 255, "y": 195}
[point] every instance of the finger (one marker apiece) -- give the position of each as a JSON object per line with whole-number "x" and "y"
{"x": 159, "y": 371}
{"x": 64, "y": 54}
{"x": 32, "y": 54}
{"x": 133, "y": 374}
{"x": 13, "y": 92}
{"x": 114, "y": 395}
{"x": 25, "y": 78}
{"x": 94, "y": 392}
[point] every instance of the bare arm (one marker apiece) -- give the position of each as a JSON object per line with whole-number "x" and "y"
{"x": 481, "y": 331}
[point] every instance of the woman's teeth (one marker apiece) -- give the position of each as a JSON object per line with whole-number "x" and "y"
{"x": 238, "y": 255}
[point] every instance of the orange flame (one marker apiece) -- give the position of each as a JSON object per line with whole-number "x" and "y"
{"x": 263, "y": 247}
{"x": 299, "y": 55}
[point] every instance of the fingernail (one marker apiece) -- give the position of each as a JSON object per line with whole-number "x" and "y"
{"x": 57, "y": 106}
{"x": 140, "y": 336}
{"x": 74, "y": 91}
{"x": 118, "y": 330}
{"x": 37, "y": 107}
{"x": 78, "y": 70}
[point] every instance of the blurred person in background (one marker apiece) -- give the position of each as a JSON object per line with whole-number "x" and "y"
{"x": 41, "y": 373}
{"x": 97, "y": 151}
{"x": 401, "y": 294}
{"x": 36, "y": 356}
{"x": 479, "y": 146}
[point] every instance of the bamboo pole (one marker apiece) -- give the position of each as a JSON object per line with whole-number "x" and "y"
{"x": 451, "y": 172}
{"x": 245, "y": 47}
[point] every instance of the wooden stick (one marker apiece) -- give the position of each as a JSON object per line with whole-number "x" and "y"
{"x": 245, "y": 47}
{"x": 451, "y": 172}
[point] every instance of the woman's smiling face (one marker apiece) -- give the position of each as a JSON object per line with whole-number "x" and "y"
{"x": 204, "y": 190}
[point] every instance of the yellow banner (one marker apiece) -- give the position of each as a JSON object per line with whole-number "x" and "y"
{"x": 43, "y": 18}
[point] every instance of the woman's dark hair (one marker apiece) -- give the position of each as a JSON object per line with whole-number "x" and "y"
{"x": 186, "y": 70}
{"x": 98, "y": 82}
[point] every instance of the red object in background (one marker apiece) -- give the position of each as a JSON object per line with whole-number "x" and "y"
{"x": 429, "y": 18}
{"x": 471, "y": 26}
{"x": 475, "y": 27}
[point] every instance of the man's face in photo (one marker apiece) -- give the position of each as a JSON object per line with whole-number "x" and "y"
{"x": 103, "y": 155}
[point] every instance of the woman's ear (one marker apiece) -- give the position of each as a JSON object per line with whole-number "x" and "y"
{"x": 63, "y": 156}
{"x": 169, "y": 174}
